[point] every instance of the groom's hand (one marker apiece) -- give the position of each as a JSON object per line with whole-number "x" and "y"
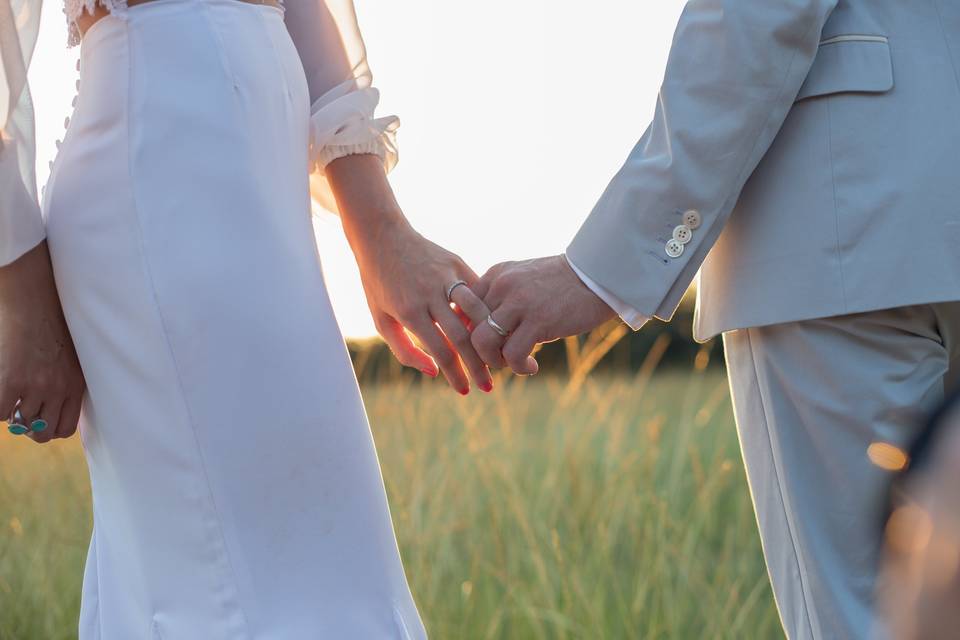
{"x": 533, "y": 301}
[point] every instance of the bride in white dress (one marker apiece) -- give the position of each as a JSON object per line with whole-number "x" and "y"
{"x": 171, "y": 259}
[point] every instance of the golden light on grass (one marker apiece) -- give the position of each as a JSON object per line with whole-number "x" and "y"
{"x": 613, "y": 516}
{"x": 703, "y": 358}
{"x": 887, "y": 456}
{"x": 16, "y": 527}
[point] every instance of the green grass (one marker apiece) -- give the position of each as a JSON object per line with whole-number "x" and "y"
{"x": 557, "y": 507}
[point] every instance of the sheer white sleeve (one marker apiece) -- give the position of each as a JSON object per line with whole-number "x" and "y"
{"x": 342, "y": 96}
{"x": 21, "y": 227}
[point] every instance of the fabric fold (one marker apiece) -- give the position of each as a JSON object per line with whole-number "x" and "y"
{"x": 345, "y": 125}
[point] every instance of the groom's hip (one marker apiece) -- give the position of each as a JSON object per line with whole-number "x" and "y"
{"x": 748, "y": 282}
{"x": 822, "y": 407}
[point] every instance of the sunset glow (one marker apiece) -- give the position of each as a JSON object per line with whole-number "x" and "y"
{"x": 514, "y": 117}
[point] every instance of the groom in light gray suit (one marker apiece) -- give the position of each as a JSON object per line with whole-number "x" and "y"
{"x": 805, "y": 160}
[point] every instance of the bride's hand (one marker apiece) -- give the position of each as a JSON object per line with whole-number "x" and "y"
{"x": 405, "y": 277}
{"x": 406, "y": 284}
{"x": 38, "y": 364}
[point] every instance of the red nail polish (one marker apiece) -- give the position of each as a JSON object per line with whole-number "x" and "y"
{"x": 487, "y": 386}
{"x": 463, "y": 392}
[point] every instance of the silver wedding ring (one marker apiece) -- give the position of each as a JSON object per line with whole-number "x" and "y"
{"x": 454, "y": 286}
{"x": 496, "y": 327}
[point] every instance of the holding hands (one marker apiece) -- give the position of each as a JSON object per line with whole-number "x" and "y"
{"x": 495, "y": 321}
{"x": 530, "y": 302}
{"x": 463, "y": 324}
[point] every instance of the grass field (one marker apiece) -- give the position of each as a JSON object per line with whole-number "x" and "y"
{"x": 557, "y": 507}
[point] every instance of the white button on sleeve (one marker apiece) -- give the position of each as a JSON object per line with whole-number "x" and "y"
{"x": 673, "y": 248}
{"x": 682, "y": 234}
{"x": 692, "y": 219}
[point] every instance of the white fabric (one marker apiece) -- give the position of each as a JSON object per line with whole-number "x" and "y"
{"x": 73, "y": 8}
{"x": 634, "y": 319}
{"x": 810, "y": 397}
{"x": 21, "y": 228}
{"x": 341, "y": 95}
{"x": 236, "y": 489}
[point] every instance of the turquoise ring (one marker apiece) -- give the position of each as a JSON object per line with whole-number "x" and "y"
{"x": 17, "y": 429}
{"x": 38, "y": 425}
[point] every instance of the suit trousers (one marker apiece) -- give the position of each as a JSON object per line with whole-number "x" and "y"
{"x": 810, "y": 398}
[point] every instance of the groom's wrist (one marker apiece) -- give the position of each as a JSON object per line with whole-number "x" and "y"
{"x": 633, "y": 318}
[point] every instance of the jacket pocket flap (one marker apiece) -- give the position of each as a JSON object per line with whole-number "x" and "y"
{"x": 850, "y": 64}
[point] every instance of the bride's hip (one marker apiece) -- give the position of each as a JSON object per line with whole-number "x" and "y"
{"x": 181, "y": 101}
{"x": 190, "y": 68}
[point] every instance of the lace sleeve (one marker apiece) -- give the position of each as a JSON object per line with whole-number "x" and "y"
{"x": 342, "y": 96}
{"x": 21, "y": 227}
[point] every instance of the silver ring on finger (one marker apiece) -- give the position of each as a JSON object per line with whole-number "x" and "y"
{"x": 503, "y": 333}
{"x": 453, "y": 286}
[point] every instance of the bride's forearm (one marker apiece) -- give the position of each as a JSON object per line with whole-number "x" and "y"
{"x": 368, "y": 208}
{"x": 405, "y": 276}
{"x": 27, "y": 283}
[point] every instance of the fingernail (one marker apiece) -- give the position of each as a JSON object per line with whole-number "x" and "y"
{"x": 532, "y": 363}
{"x": 430, "y": 372}
{"x": 486, "y": 386}
{"x": 38, "y": 425}
{"x": 463, "y": 392}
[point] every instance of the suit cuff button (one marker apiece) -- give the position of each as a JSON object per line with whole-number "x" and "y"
{"x": 673, "y": 248}
{"x": 692, "y": 219}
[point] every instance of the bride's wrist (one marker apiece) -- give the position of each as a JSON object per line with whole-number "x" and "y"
{"x": 376, "y": 232}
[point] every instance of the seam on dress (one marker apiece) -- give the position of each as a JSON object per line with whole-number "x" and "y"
{"x": 276, "y": 56}
{"x": 219, "y": 45}
{"x": 148, "y": 275}
{"x": 836, "y": 207}
{"x": 808, "y": 610}
{"x": 401, "y": 623}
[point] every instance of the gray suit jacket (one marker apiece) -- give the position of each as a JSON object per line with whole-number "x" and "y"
{"x": 818, "y": 142}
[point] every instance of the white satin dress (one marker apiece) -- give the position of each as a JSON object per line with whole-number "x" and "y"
{"x": 236, "y": 489}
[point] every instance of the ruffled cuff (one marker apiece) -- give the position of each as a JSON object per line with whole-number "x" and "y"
{"x": 342, "y": 124}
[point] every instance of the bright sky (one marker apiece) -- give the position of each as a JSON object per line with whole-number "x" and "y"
{"x": 514, "y": 116}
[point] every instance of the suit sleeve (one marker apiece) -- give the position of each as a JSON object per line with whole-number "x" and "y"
{"x": 734, "y": 71}
{"x": 342, "y": 96}
{"x": 21, "y": 225}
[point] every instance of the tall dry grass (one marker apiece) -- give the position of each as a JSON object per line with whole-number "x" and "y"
{"x": 572, "y": 506}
